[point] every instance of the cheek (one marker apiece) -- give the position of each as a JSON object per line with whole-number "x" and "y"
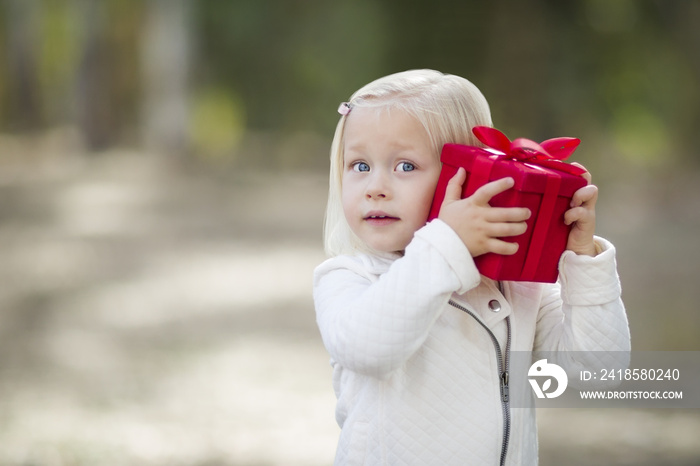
{"x": 348, "y": 199}
{"x": 347, "y": 209}
{"x": 424, "y": 196}
{"x": 352, "y": 188}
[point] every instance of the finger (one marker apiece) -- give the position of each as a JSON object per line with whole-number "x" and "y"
{"x": 587, "y": 175}
{"x": 508, "y": 214}
{"x": 484, "y": 194}
{"x": 504, "y": 248}
{"x": 577, "y": 214}
{"x": 453, "y": 190}
{"x": 503, "y": 230}
{"x": 585, "y": 196}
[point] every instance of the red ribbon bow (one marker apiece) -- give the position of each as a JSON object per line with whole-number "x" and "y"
{"x": 549, "y": 153}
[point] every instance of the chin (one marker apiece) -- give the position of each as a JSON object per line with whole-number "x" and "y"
{"x": 388, "y": 248}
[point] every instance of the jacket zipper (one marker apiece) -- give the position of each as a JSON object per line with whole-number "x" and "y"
{"x": 503, "y": 368}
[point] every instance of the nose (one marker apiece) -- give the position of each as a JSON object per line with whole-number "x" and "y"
{"x": 377, "y": 187}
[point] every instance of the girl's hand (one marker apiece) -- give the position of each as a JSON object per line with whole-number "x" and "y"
{"x": 477, "y": 223}
{"x": 581, "y": 216}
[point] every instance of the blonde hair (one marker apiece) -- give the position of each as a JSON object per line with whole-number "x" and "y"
{"x": 447, "y": 106}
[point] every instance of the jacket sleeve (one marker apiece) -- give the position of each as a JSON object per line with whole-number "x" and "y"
{"x": 582, "y": 318}
{"x": 372, "y": 324}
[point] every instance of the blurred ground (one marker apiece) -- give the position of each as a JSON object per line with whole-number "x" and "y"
{"x": 153, "y": 313}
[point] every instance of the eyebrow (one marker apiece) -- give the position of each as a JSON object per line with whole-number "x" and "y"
{"x": 397, "y": 147}
{"x": 354, "y": 148}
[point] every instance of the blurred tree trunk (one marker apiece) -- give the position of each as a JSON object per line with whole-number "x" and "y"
{"x": 165, "y": 57}
{"x": 95, "y": 112}
{"x": 517, "y": 61}
{"x": 23, "y": 27}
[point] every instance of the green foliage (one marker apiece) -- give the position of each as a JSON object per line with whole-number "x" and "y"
{"x": 218, "y": 123}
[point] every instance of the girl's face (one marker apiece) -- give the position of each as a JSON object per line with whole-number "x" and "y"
{"x": 389, "y": 176}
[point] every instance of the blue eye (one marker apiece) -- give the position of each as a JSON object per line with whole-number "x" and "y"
{"x": 405, "y": 167}
{"x": 360, "y": 167}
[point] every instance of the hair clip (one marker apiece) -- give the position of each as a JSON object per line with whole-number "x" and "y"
{"x": 344, "y": 108}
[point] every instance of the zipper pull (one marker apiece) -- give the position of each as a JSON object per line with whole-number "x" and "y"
{"x": 504, "y": 387}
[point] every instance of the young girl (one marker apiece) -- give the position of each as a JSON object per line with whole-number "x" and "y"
{"x": 419, "y": 341}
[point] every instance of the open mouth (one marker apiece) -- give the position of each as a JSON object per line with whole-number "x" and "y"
{"x": 380, "y": 219}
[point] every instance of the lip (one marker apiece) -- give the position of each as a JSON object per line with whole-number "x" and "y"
{"x": 379, "y": 214}
{"x": 379, "y": 218}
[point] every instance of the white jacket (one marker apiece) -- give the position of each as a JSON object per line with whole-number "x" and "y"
{"x": 418, "y": 380}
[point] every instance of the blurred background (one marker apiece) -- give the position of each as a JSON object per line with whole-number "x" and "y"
{"x": 163, "y": 175}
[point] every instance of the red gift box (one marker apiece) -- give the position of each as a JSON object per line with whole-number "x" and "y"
{"x": 543, "y": 183}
